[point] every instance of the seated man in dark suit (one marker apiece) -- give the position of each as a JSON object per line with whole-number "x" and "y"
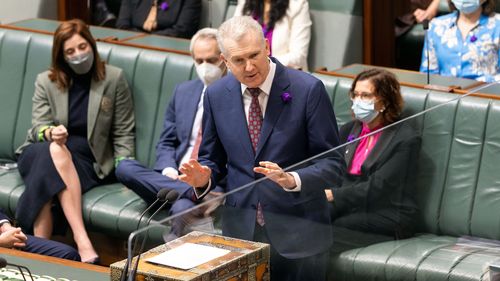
{"x": 181, "y": 136}
{"x": 13, "y": 237}
{"x": 179, "y": 18}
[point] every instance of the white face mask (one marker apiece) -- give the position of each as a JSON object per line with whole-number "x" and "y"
{"x": 81, "y": 63}
{"x": 364, "y": 111}
{"x": 467, "y": 6}
{"x": 208, "y": 73}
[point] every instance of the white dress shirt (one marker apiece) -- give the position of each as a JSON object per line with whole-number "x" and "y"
{"x": 173, "y": 172}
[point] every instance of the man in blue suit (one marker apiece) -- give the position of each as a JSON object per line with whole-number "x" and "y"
{"x": 181, "y": 133}
{"x": 259, "y": 118}
{"x": 13, "y": 237}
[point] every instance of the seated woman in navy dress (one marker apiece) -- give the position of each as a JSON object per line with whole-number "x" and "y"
{"x": 82, "y": 126}
{"x": 377, "y": 193}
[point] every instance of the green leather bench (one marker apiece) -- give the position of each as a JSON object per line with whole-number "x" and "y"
{"x": 336, "y": 33}
{"x": 458, "y": 188}
{"x": 111, "y": 209}
{"x": 458, "y": 192}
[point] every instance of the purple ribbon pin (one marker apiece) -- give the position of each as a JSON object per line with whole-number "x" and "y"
{"x": 473, "y": 38}
{"x": 286, "y": 97}
{"x": 164, "y": 6}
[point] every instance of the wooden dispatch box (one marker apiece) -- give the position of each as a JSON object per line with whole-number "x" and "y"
{"x": 247, "y": 261}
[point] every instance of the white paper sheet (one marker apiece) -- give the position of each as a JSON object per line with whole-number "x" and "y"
{"x": 188, "y": 255}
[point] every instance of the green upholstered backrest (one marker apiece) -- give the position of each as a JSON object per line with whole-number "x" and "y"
{"x": 152, "y": 77}
{"x": 213, "y": 12}
{"x": 458, "y": 190}
{"x": 22, "y": 57}
{"x": 336, "y": 33}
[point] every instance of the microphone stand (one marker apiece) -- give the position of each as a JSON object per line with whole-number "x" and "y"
{"x": 425, "y": 25}
{"x": 4, "y": 263}
{"x": 159, "y": 197}
{"x": 171, "y": 196}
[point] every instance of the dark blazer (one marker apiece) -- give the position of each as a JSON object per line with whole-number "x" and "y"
{"x": 387, "y": 181}
{"x": 178, "y": 124}
{"x": 177, "y": 128}
{"x": 297, "y": 223}
{"x": 181, "y": 19}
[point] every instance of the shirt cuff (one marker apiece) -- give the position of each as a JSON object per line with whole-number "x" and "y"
{"x": 199, "y": 193}
{"x": 168, "y": 171}
{"x": 4, "y": 221}
{"x": 298, "y": 183}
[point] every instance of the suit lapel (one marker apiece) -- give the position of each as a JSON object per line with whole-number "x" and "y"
{"x": 189, "y": 107}
{"x": 236, "y": 115}
{"x": 274, "y": 105}
{"x": 350, "y": 149}
{"x": 95, "y": 97}
{"x": 382, "y": 145}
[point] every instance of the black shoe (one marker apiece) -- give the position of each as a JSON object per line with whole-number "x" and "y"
{"x": 96, "y": 261}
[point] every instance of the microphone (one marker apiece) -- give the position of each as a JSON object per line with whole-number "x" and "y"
{"x": 160, "y": 196}
{"x": 4, "y": 263}
{"x": 425, "y": 25}
{"x": 170, "y": 196}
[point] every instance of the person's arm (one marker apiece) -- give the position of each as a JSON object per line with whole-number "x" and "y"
{"x": 211, "y": 168}
{"x": 238, "y": 11}
{"x": 187, "y": 22}
{"x": 123, "y": 127}
{"x": 42, "y": 119}
{"x": 390, "y": 176}
{"x": 429, "y": 13}
{"x": 300, "y": 37}
{"x": 322, "y": 133}
{"x": 165, "y": 149}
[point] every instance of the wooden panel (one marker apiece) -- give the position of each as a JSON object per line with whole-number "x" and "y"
{"x": 70, "y": 9}
{"x": 378, "y": 30}
{"x": 246, "y": 261}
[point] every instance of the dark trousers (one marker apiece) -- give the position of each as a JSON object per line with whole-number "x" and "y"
{"x": 311, "y": 268}
{"x": 50, "y": 248}
{"x": 144, "y": 181}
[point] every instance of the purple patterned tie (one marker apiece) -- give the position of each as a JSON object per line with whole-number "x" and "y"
{"x": 254, "y": 125}
{"x": 254, "y": 117}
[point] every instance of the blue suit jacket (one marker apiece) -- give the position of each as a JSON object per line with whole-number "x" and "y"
{"x": 297, "y": 223}
{"x": 178, "y": 124}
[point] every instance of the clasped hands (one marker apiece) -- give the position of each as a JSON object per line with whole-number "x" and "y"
{"x": 58, "y": 134}
{"x": 198, "y": 176}
{"x": 12, "y": 237}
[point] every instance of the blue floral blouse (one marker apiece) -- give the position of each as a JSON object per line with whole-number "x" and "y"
{"x": 476, "y": 57}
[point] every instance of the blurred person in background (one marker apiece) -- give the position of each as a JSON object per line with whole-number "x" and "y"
{"x": 464, "y": 43}
{"x": 176, "y": 18}
{"x": 286, "y": 25}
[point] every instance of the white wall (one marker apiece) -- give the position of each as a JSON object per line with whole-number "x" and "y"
{"x": 16, "y": 10}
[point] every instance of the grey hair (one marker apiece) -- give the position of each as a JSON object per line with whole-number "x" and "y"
{"x": 237, "y": 27}
{"x": 204, "y": 33}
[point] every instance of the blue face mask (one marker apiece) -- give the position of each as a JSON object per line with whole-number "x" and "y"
{"x": 467, "y": 6}
{"x": 364, "y": 111}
